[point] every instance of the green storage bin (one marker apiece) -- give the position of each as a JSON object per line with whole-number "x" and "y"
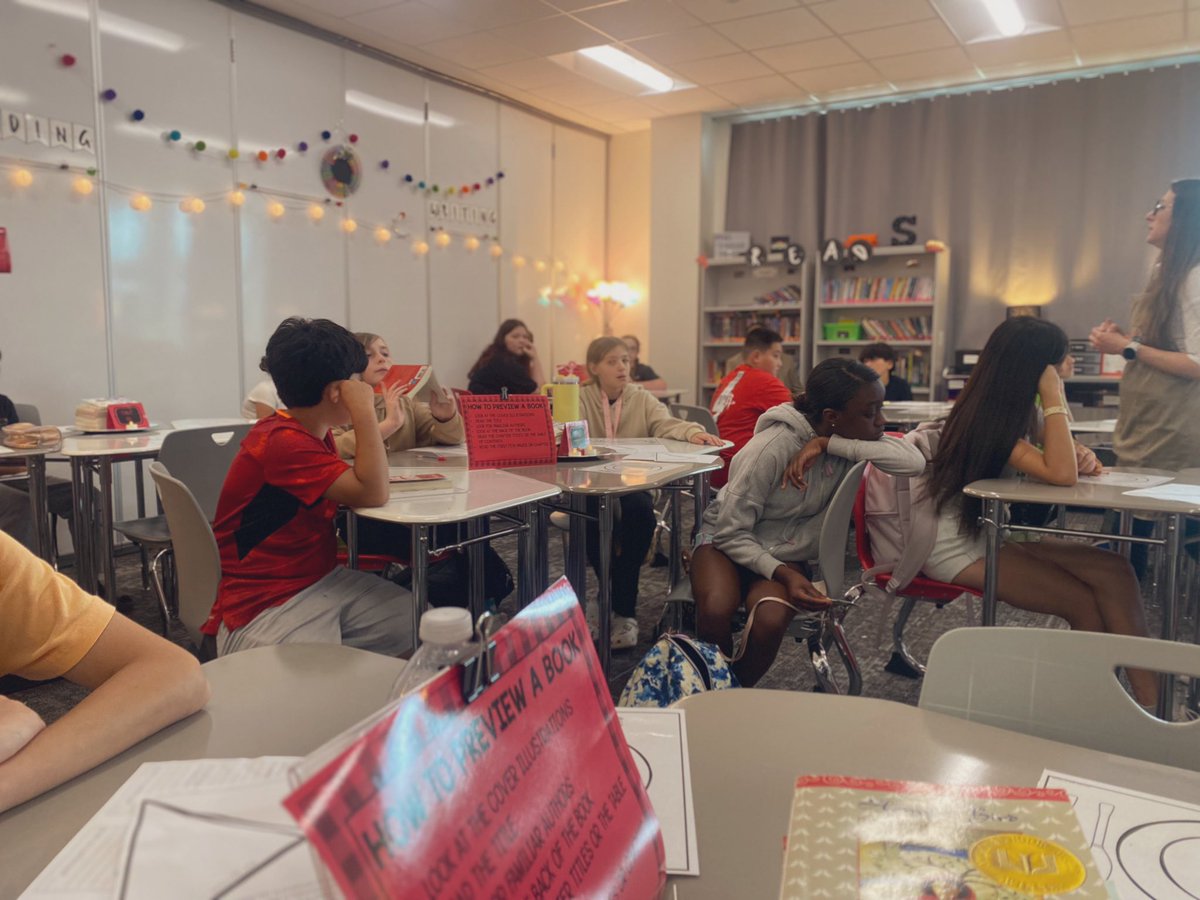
{"x": 843, "y": 331}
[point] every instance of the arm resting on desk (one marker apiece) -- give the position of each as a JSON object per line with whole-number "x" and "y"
{"x": 139, "y": 684}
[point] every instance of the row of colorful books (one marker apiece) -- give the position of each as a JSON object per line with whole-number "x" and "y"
{"x": 735, "y": 325}
{"x": 913, "y": 367}
{"x": 909, "y": 328}
{"x": 789, "y": 295}
{"x": 911, "y": 288}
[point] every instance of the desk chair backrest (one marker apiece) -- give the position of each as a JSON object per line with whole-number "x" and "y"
{"x": 1061, "y": 685}
{"x": 835, "y": 528}
{"x": 697, "y": 414}
{"x": 200, "y": 458}
{"x": 197, "y": 560}
{"x": 27, "y": 412}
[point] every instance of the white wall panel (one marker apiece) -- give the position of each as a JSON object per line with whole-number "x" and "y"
{"x": 464, "y": 289}
{"x": 289, "y": 88}
{"x": 385, "y": 107}
{"x": 526, "y": 195}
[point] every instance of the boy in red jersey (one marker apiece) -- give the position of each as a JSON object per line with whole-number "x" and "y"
{"x": 280, "y": 582}
{"x": 747, "y": 392}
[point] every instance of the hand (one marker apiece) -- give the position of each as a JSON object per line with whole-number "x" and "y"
{"x": 393, "y": 418}
{"x": 529, "y": 351}
{"x": 355, "y": 397}
{"x": 803, "y": 461}
{"x": 442, "y": 405}
{"x": 1050, "y": 388}
{"x": 800, "y": 590}
{"x": 1086, "y": 462}
{"x": 1107, "y": 337}
{"x": 18, "y": 726}
{"x": 703, "y": 437}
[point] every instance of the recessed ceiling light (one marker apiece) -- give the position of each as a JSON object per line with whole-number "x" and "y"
{"x": 622, "y": 62}
{"x": 1006, "y": 15}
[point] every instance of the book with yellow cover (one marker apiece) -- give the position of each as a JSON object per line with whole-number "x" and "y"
{"x": 906, "y": 840}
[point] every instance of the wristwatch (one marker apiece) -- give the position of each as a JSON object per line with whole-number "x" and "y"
{"x": 1131, "y": 349}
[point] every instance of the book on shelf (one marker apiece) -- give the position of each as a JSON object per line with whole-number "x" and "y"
{"x": 733, "y": 326}
{"x": 907, "y": 289}
{"x": 857, "y": 837}
{"x": 908, "y": 328}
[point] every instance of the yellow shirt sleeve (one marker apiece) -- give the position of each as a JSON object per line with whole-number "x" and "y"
{"x": 47, "y": 622}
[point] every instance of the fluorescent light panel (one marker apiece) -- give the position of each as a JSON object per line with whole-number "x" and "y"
{"x": 621, "y": 62}
{"x": 1006, "y": 15}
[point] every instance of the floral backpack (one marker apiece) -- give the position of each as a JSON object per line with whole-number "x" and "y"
{"x": 677, "y": 667}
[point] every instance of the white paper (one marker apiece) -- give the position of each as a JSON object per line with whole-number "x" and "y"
{"x": 1124, "y": 479}
{"x": 1181, "y": 493}
{"x": 1144, "y": 846}
{"x": 1095, "y": 426}
{"x": 630, "y": 445}
{"x": 666, "y": 456}
{"x": 658, "y": 740}
{"x": 636, "y": 471}
{"x": 457, "y": 450}
{"x": 91, "y": 865}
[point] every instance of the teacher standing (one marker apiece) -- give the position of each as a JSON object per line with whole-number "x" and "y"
{"x": 1158, "y": 425}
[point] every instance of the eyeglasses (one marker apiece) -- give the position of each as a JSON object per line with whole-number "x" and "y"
{"x": 1157, "y": 208}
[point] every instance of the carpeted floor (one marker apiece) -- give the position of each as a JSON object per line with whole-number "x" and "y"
{"x": 868, "y": 628}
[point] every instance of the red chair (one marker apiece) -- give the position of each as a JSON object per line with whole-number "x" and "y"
{"x": 920, "y": 588}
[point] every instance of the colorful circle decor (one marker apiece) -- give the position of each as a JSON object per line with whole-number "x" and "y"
{"x": 341, "y": 171}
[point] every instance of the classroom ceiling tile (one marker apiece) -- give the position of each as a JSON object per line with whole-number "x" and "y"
{"x": 932, "y": 34}
{"x": 620, "y": 110}
{"x": 768, "y": 89}
{"x": 1024, "y": 49}
{"x": 724, "y": 10}
{"x": 681, "y": 46}
{"x": 638, "y": 18}
{"x": 787, "y": 26}
{"x": 476, "y": 50}
{"x": 1126, "y": 37}
{"x": 1085, "y": 12}
{"x": 932, "y": 64}
{"x": 808, "y": 55}
{"x": 493, "y": 13}
{"x": 546, "y": 37}
{"x": 570, "y": 6}
{"x": 830, "y": 78}
{"x": 337, "y": 8}
{"x": 689, "y": 100}
{"x": 848, "y": 16}
{"x": 578, "y": 92}
{"x": 528, "y": 74}
{"x": 413, "y": 22}
{"x": 733, "y": 67}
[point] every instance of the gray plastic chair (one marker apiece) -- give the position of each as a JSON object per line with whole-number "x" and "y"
{"x": 27, "y": 412}
{"x": 697, "y": 414}
{"x": 194, "y": 548}
{"x": 1061, "y": 685}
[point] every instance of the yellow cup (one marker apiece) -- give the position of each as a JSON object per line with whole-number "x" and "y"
{"x": 564, "y": 401}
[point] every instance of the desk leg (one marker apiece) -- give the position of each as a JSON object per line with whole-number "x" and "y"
{"x": 476, "y": 527}
{"x": 105, "y": 528}
{"x": 991, "y": 514}
{"x": 1124, "y": 528}
{"x": 541, "y": 516}
{"x": 1172, "y": 552}
{"x": 139, "y": 483}
{"x": 39, "y": 509}
{"x": 700, "y": 491}
{"x": 604, "y": 576}
{"x": 577, "y": 548}
{"x": 674, "y": 544}
{"x": 351, "y": 539}
{"x": 419, "y": 560}
{"x": 528, "y": 542}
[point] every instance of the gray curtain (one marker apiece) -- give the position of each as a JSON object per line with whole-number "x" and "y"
{"x": 1040, "y": 191}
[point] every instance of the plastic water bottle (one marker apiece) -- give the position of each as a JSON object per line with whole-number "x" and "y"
{"x": 445, "y": 636}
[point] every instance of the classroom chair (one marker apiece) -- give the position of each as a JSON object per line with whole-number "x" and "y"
{"x": 697, "y": 414}
{"x": 1061, "y": 685}
{"x": 27, "y": 412}
{"x": 197, "y": 559}
{"x": 939, "y": 593}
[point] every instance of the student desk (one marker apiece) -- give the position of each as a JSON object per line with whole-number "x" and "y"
{"x": 908, "y": 413}
{"x": 470, "y": 495}
{"x": 284, "y": 700}
{"x": 1095, "y": 426}
{"x": 996, "y": 491}
{"x": 748, "y": 746}
{"x": 35, "y": 468}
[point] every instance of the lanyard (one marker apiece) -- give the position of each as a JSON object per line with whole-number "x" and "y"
{"x": 611, "y": 420}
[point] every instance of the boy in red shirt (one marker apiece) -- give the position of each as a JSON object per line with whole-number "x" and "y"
{"x": 747, "y": 392}
{"x": 280, "y": 582}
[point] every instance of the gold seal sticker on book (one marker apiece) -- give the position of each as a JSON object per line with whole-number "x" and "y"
{"x": 1028, "y": 864}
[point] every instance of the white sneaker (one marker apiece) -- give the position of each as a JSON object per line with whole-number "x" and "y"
{"x": 624, "y": 633}
{"x": 591, "y": 612}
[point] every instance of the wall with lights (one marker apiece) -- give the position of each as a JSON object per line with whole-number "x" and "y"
{"x": 187, "y": 211}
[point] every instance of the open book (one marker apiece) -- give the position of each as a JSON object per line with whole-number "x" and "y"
{"x": 416, "y": 381}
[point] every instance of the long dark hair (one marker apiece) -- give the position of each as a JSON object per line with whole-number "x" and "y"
{"x": 497, "y": 346}
{"x": 1156, "y": 311}
{"x": 831, "y": 385}
{"x": 993, "y": 412}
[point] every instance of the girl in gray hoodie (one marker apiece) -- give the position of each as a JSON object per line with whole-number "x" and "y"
{"x": 757, "y": 536}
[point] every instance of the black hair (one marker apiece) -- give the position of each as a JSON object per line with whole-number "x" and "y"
{"x": 262, "y": 364}
{"x": 831, "y": 385}
{"x": 304, "y": 356}
{"x": 994, "y": 410}
{"x": 761, "y": 338}
{"x": 1156, "y": 311}
{"x": 878, "y": 350}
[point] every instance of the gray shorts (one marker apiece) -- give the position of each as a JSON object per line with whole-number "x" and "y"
{"x": 345, "y": 607}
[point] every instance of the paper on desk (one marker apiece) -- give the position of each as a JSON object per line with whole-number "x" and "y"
{"x": 666, "y": 456}
{"x": 91, "y": 866}
{"x": 446, "y": 452}
{"x": 658, "y": 740}
{"x": 636, "y": 471}
{"x": 1181, "y": 493}
{"x": 1124, "y": 479}
{"x": 1143, "y": 845}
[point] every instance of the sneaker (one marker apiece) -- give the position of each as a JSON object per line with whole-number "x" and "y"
{"x": 591, "y": 612}
{"x": 624, "y": 633}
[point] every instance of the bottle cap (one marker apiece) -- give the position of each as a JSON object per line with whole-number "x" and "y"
{"x": 446, "y": 625}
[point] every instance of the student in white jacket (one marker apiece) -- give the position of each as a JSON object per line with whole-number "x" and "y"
{"x": 757, "y": 536}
